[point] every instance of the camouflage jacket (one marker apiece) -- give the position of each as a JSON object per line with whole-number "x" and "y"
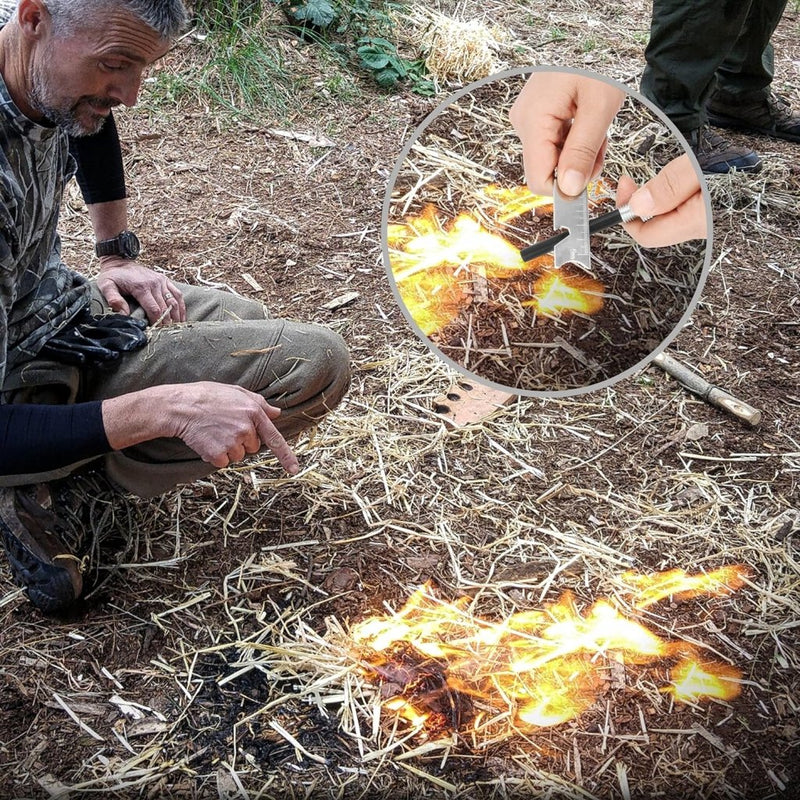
{"x": 38, "y": 293}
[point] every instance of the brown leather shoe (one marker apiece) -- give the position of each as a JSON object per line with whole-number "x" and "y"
{"x": 766, "y": 114}
{"x": 718, "y": 156}
{"x": 40, "y": 562}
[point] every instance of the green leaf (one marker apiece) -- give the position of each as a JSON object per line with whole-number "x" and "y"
{"x": 399, "y": 65}
{"x": 378, "y": 43}
{"x": 317, "y": 12}
{"x": 372, "y": 60}
{"x": 386, "y": 78}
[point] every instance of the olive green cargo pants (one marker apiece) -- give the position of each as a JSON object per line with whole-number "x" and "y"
{"x": 697, "y": 47}
{"x": 302, "y": 369}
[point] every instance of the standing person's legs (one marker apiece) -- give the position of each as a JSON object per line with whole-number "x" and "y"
{"x": 749, "y": 65}
{"x": 688, "y": 43}
{"x": 743, "y": 98}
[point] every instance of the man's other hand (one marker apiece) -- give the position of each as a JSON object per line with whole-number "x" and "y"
{"x": 160, "y": 299}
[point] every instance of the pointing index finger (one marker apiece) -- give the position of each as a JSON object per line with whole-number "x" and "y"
{"x": 272, "y": 438}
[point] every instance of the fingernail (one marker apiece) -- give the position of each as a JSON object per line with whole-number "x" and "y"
{"x": 642, "y": 203}
{"x": 572, "y": 182}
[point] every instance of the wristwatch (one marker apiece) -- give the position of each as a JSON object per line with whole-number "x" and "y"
{"x": 126, "y": 245}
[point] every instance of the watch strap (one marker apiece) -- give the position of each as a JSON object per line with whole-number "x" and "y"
{"x": 126, "y": 244}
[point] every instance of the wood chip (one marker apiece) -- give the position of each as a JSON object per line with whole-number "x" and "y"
{"x": 246, "y": 276}
{"x": 341, "y": 300}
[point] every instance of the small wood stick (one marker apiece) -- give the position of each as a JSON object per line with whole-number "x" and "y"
{"x": 707, "y": 391}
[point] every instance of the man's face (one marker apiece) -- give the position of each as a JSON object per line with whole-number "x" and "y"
{"x": 77, "y": 80}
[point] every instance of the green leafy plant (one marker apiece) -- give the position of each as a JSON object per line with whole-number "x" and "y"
{"x": 379, "y": 56}
{"x": 318, "y": 14}
{"x": 365, "y": 18}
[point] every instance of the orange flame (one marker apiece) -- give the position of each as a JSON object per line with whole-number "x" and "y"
{"x": 559, "y": 292}
{"x": 650, "y": 589}
{"x": 425, "y": 242}
{"x": 434, "y": 260}
{"x": 694, "y": 679}
{"x": 536, "y": 668}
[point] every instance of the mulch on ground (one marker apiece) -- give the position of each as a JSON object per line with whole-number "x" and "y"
{"x": 214, "y": 660}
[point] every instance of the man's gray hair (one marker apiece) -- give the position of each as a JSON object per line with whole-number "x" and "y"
{"x": 166, "y": 17}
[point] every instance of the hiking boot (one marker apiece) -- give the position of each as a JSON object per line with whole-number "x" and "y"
{"x": 39, "y": 561}
{"x": 766, "y": 114}
{"x": 717, "y": 155}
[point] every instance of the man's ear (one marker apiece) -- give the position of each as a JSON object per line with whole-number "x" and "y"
{"x": 34, "y": 18}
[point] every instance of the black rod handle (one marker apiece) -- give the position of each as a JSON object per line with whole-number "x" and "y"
{"x": 597, "y": 224}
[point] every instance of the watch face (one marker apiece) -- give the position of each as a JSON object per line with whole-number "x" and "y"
{"x": 129, "y": 245}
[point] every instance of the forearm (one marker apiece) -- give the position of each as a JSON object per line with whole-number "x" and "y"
{"x": 137, "y": 417}
{"x": 101, "y": 172}
{"x": 221, "y": 423}
{"x": 101, "y": 176}
{"x": 40, "y": 438}
{"x": 108, "y": 219}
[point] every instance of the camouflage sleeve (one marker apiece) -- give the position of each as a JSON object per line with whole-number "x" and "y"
{"x": 7, "y": 9}
{"x": 8, "y": 248}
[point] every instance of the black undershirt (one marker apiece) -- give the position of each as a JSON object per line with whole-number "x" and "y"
{"x": 101, "y": 174}
{"x": 38, "y": 438}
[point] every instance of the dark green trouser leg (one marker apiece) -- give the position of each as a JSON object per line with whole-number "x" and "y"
{"x": 750, "y": 65}
{"x": 690, "y": 42}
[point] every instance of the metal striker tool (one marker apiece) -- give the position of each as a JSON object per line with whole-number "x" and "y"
{"x": 572, "y": 244}
{"x": 571, "y": 213}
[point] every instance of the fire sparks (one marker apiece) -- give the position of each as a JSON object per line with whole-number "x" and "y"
{"x": 694, "y": 680}
{"x": 435, "y": 261}
{"x": 507, "y": 203}
{"x": 555, "y": 293}
{"x": 425, "y": 243}
{"x": 442, "y": 668}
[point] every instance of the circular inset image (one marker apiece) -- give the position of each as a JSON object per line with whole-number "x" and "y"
{"x": 546, "y": 293}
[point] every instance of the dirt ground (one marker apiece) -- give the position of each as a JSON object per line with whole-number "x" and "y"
{"x": 211, "y": 661}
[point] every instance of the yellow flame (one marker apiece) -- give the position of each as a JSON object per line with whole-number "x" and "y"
{"x": 539, "y": 667}
{"x": 507, "y": 203}
{"x": 425, "y": 243}
{"x": 677, "y": 583}
{"x": 694, "y": 680}
{"x": 559, "y": 292}
{"x": 560, "y": 696}
{"x": 407, "y": 711}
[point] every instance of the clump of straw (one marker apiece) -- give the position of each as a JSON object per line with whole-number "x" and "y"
{"x": 456, "y": 50}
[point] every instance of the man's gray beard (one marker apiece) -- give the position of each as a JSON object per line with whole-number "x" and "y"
{"x": 65, "y": 119}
